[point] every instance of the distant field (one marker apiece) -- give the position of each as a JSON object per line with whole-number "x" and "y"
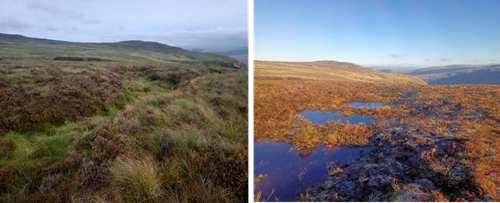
{"x": 326, "y": 70}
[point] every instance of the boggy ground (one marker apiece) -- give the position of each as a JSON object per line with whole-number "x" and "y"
{"x": 441, "y": 146}
{"x": 122, "y": 132}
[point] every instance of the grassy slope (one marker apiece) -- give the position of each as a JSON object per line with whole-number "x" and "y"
{"x": 327, "y": 70}
{"x": 154, "y": 124}
{"x": 457, "y": 74}
{"x": 20, "y": 47}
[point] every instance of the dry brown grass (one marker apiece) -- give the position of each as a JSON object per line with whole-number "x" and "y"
{"x": 326, "y": 70}
{"x": 467, "y": 115}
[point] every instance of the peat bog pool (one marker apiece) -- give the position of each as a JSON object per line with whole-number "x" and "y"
{"x": 368, "y": 105}
{"x": 319, "y": 117}
{"x": 289, "y": 171}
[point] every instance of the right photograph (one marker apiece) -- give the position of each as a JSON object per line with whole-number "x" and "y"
{"x": 358, "y": 100}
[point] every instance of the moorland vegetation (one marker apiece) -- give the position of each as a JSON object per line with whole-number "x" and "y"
{"x": 438, "y": 143}
{"x": 326, "y": 70}
{"x": 147, "y": 123}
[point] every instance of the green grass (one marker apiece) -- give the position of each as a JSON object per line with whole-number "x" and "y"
{"x": 51, "y": 145}
{"x": 139, "y": 84}
{"x": 112, "y": 112}
{"x": 184, "y": 104}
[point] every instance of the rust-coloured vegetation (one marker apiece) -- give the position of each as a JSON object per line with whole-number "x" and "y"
{"x": 438, "y": 143}
{"x": 57, "y": 96}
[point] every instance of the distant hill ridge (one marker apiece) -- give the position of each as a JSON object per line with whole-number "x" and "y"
{"x": 327, "y": 70}
{"x": 456, "y": 74}
{"x": 21, "y": 47}
{"x": 21, "y": 38}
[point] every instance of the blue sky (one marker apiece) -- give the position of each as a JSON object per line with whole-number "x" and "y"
{"x": 397, "y": 33}
{"x": 184, "y": 23}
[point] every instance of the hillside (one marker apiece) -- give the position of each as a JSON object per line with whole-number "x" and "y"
{"x": 26, "y": 48}
{"x": 129, "y": 121}
{"x": 456, "y": 74}
{"x": 326, "y": 70}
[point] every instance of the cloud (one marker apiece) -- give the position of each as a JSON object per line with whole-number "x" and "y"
{"x": 209, "y": 38}
{"x": 13, "y": 24}
{"x": 50, "y": 28}
{"x": 92, "y": 22}
{"x": 493, "y": 59}
{"x": 53, "y": 10}
{"x": 476, "y": 60}
{"x": 396, "y": 56}
{"x": 427, "y": 60}
{"x": 445, "y": 59}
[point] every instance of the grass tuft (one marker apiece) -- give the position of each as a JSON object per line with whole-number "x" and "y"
{"x": 137, "y": 178}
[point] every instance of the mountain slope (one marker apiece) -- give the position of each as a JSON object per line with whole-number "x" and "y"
{"x": 327, "y": 70}
{"x": 21, "y": 47}
{"x": 456, "y": 74}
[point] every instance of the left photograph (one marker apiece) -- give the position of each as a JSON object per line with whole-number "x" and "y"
{"x": 124, "y": 101}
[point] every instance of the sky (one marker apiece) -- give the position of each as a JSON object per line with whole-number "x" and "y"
{"x": 182, "y": 23}
{"x": 394, "y": 34}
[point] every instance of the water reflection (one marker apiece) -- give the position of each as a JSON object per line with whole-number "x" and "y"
{"x": 305, "y": 153}
{"x": 319, "y": 117}
{"x": 368, "y": 105}
{"x": 289, "y": 171}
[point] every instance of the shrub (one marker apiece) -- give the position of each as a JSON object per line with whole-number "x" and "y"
{"x": 6, "y": 146}
{"x": 61, "y": 58}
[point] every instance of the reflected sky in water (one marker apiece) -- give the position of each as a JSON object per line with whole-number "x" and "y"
{"x": 283, "y": 165}
{"x": 368, "y": 105}
{"x": 319, "y": 117}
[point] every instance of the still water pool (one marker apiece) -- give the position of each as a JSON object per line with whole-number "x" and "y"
{"x": 371, "y": 105}
{"x": 319, "y": 117}
{"x": 289, "y": 171}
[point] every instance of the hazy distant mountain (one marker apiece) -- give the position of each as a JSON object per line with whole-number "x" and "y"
{"x": 326, "y": 70}
{"x": 240, "y": 53}
{"x": 456, "y": 74}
